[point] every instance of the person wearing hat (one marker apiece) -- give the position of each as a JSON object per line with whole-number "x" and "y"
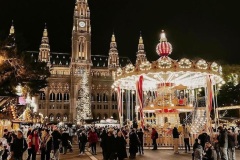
{"x": 19, "y": 146}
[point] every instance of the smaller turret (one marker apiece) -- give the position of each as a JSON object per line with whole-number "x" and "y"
{"x": 141, "y": 54}
{"x": 113, "y": 59}
{"x": 44, "y": 49}
{"x": 11, "y": 40}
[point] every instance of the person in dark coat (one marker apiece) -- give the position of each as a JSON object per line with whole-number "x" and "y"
{"x": 65, "y": 137}
{"x": 103, "y": 137}
{"x": 46, "y": 145}
{"x": 18, "y": 146}
{"x": 56, "y": 142}
{"x": 121, "y": 146}
{"x": 175, "y": 139}
{"x": 82, "y": 140}
{"x": 140, "y": 136}
{"x": 231, "y": 145}
{"x": 135, "y": 123}
{"x": 133, "y": 144}
{"x": 110, "y": 146}
{"x": 204, "y": 137}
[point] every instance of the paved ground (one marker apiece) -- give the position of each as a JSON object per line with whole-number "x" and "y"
{"x": 161, "y": 154}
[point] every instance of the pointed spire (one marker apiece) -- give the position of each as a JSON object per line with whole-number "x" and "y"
{"x": 113, "y": 37}
{"x": 140, "y": 39}
{"x": 163, "y": 37}
{"x": 12, "y": 30}
{"x": 44, "y": 49}
{"x": 141, "y": 54}
{"x": 45, "y": 32}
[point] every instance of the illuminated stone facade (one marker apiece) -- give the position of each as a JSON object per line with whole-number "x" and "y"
{"x": 63, "y": 99}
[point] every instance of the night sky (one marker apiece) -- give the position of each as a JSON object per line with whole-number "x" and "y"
{"x": 206, "y": 29}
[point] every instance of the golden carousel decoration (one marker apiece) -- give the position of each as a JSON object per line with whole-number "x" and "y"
{"x": 166, "y": 87}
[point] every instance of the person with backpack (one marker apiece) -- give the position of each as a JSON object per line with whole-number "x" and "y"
{"x": 154, "y": 137}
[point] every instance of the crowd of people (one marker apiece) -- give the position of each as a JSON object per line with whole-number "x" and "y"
{"x": 219, "y": 146}
{"x": 49, "y": 142}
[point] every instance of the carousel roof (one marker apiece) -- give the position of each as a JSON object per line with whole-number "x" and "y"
{"x": 186, "y": 72}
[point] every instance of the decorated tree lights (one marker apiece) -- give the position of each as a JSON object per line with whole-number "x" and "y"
{"x": 83, "y": 104}
{"x": 171, "y": 87}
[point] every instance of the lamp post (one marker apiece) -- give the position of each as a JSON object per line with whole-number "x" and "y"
{"x": 133, "y": 92}
{"x": 122, "y": 107}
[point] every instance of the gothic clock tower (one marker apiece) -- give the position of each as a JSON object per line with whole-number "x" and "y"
{"x": 81, "y": 63}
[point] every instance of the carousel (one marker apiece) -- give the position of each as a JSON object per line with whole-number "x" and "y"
{"x": 166, "y": 88}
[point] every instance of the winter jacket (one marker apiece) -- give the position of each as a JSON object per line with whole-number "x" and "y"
{"x": 18, "y": 147}
{"x": 231, "y": 140}
{"x": 56, "y": 139}
{"x": 30, "y": 141}
{"x": 93, "y": 138}
{"x": 175, "y": 133}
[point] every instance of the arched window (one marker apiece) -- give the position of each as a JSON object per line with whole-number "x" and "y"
{"x": 65, "y": 117}
{"x": 59, "y": 97}
{"x": 42, "y": 96}
{"x": 114, "y": 96}
{"x": 66, "y": 97}
{"x": 51, "y": 117}
{"x": 92, "y": 97}
{"x": 52, "y": 97}
{"x": 105, "y": 97}
{"x": 58, "y": 117}
{"x": 99, "y": 97}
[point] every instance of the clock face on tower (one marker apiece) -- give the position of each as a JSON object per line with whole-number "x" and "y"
{"x": 82, "y": 24}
